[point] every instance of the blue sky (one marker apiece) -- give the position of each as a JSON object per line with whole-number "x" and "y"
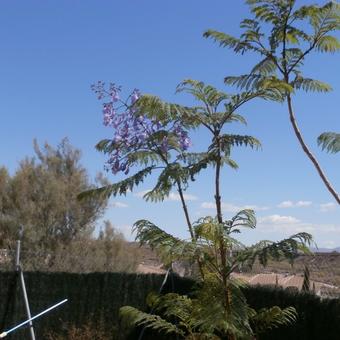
{"x": 52, "y": 51}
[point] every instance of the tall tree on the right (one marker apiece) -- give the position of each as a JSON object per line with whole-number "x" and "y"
{"x": 283, "y": 50}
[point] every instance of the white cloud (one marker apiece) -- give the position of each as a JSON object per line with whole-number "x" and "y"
{"x": 325, "y": 207}
{"x": 291, "y": 204}
{"x": 230, "y": 207}
{"x": 288, "y": 225}
{"x": 173, "y": 196}
{"x": 278, "y": 219}
{"x": 303, "y": 203}
{"x": 119, "y": 205}
{"x": 286, "y": 204}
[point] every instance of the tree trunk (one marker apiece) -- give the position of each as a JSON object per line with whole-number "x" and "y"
{"x": 185, "y": 209}
{"x": 308, "y": 152}
{"x": 223, "y": 250}
{"x": 187, "y": 217}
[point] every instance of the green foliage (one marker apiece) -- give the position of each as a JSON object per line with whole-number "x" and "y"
{"x": 203, "y": 316}
{"x": 93, "y": 299}
{"x": 284, "y": 49}
{"x": 330, "y": 141}
{"x": 311, "y": 85}
{"x": 151, "y": 158}
{"x": 154, "y": 108}
{"x": 282, "y": 36}
{"x": 134, "y": 317}
{"x": 268, "y": 318}
{"x": 209, "y": 233}
{"x": 288, "y": 248}
{"x": 168, "y": 247}
{"x": 119, "y": 188}
{"x": 219, "y": 307}
{"x": 98, "y": 297}
{"x": 177, "y": 168}
{"x": 42, "y": 196}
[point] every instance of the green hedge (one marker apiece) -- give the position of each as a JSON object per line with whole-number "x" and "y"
{"x": 317, "y": 318}
{"x": 98, "y": 296}
{"x": 95, "y": 296}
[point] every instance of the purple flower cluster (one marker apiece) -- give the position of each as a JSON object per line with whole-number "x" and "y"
{"x": 133, "y": 131}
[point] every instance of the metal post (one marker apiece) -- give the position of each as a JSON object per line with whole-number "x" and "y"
{"x": 5, "y": 333}
{"x": 23, "y": 287}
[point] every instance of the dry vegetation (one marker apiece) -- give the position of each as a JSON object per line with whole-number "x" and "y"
{"x": 88, "y": 331}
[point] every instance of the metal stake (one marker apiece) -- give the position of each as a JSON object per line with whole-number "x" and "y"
{"x": 3, "y": 334}
{"x": 23, "y": 287}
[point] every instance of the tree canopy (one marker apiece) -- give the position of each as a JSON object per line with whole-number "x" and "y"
{"x": 42, "y": 197}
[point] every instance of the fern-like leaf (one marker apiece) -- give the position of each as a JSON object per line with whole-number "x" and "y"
{"x": 244, "y": 218}
{"x": 265, "y": 67}
{"x": 154, "y": 108}
{"x": 167, "y": 246}
{"x": 269, "y": 318}
{"x": 133, "y": 317}
{"x": 226, "y": 40}
{"x": 119, "y": 188}
{"x": 288, "y": 248}
{"x": 238, "y": 140}
{"x": 330, "y": 141}
{"x": 328, "y": 44}
{"x": 309, "y": 85}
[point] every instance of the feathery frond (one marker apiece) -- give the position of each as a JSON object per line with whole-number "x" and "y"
{"x": 308, "y": 85}
{"x": 119, "y": 188}
{"x": 288, "y": 249}
{"x": 154, "y": 108}
{"x": 244, "y": 218}
{"x": 226, "y": 141}
{"x": 226, "y": 40}
{"x": 269, "y": 318}
{"x": 265, "y": 67}
{"x": 170, "y": 176}
{"x": 330, "y": 141}
{"x": 268, "y": 87}
{"x": 131, "y": 316}
{"x": 328, "y": 44}
{"x": 169, "y": 247}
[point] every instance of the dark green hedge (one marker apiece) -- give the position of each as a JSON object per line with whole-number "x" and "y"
{"x": 98, "y": 297}
{"x": 95, "y": 296}
{"x": 318, "y": 318}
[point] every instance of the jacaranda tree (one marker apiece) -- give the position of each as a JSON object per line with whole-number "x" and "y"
{"x": 219, "y": 308}
{"x": 283, "y": 36}
{"x": 150, "y": 135}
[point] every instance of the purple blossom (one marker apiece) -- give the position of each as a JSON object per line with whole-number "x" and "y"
{"x": 135, "y": 95}
{"x": 132, "y": 131}
{"x": 165, "y": 145}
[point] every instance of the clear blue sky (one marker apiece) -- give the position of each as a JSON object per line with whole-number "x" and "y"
{"x": 52, "y": 51}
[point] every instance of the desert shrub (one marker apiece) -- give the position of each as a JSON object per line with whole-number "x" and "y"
{"x": 109, "y": 252}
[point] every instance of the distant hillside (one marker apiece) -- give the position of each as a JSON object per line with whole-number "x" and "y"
{"x": 325, "y": 250}
{"x": 324, "y": 265}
